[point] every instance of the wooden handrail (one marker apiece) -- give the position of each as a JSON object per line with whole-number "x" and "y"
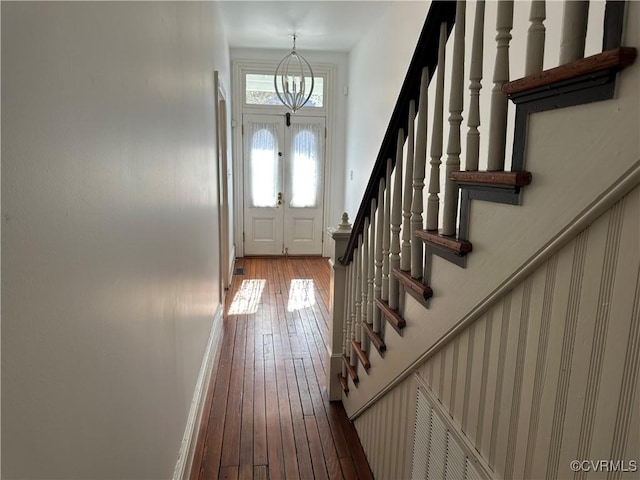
{"x": 425, "y": 55}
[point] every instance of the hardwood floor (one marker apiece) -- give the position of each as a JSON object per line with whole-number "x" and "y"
{"x": 267, "y": 414}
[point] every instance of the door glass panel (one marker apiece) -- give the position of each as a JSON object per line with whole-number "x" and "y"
{"x": 306, "y": 163}
{"x": 263, "y": 164}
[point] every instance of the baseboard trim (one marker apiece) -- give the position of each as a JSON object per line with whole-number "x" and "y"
{"x": 190, "y": 438}
{"x": 232, "y": 266}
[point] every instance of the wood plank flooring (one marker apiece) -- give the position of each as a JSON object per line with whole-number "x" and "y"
{"x": 267, "y": 414}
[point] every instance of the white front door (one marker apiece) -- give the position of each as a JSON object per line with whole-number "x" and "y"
{"x": 283, "y": 172}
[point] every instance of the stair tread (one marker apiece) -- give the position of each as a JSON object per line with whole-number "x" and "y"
{"x": 414, "y": 285}
{"x": 375, "y": 338}
{"x": 457, "y": 246}
{"x": 616, "y": 59}
{"x": 392, "y": 316}
{"x": 361, "y": 354}
{"x": 351, "y": 370}
{"x": 344, "y": 383}
{"x": 501, "y": 178}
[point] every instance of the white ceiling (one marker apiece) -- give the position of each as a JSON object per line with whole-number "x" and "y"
{"x": 320, "y": 25}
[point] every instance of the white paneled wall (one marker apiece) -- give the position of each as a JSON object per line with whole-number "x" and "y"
{"x": 440, "y": 450}
{"x": 386, "y": 432}
{"x": 549, "y": 374}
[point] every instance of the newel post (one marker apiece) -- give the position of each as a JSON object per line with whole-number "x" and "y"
{"x": 337, "y": 300}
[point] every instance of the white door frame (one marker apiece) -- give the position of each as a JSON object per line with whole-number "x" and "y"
{"x": 239, "y": 69}
{"x": 224, "y": 235}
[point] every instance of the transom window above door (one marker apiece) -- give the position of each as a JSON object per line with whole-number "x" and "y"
{"x": 259, "y": 89}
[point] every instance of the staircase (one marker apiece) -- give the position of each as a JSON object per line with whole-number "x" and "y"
{"x": 422, "y": 262}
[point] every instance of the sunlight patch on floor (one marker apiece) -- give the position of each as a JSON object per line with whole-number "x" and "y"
{"x": 247, "y": 297}
{"x": 301, "y": 294}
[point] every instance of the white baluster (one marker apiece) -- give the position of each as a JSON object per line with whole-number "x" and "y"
{"x": 377, "y": 286}
{"x": 358, "y": 262}
{"x": 419, "y": 162}
{"x": 365, "y": 282}
{"x": 372, "y": 264}
{"x": 386, "y": 234}
{"x": 433, "y": 201}
{"x": 475, "y": 84}
{"x": 407, "y": 193}
{"x": 498, "y": 121}
{"x": 347, "y": 340}
{"x": 450, "y": 211}
{"x": 345, "y": 325}
{"x": 353, "y": 287}
{"x": 396, "y": 220}
{"x": 574, "y": 30}
{"x": 535, "y": 38}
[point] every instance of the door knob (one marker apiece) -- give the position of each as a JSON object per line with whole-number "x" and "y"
{"x": 279, "y": 198}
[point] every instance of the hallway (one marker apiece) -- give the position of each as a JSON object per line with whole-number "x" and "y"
{"x": 267, "y": 414}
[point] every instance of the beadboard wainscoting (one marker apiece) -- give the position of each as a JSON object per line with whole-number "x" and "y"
{"x": 547, "y": 375}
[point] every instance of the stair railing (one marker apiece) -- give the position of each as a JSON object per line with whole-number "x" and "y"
{"x": 391, "y": 242}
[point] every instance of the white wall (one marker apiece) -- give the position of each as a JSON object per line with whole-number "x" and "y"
{"x": 109, "y": 236}
{"x": 377, "y": 67}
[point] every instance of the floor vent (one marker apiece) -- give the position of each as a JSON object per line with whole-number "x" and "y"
{"x": 439, "y": 450}
{"x": 239, "y": 271}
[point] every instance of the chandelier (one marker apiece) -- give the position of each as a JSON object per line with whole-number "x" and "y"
{"x": 290, "y": 80}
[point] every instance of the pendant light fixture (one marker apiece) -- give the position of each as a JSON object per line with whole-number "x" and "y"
{"x": 291, "y": 80}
